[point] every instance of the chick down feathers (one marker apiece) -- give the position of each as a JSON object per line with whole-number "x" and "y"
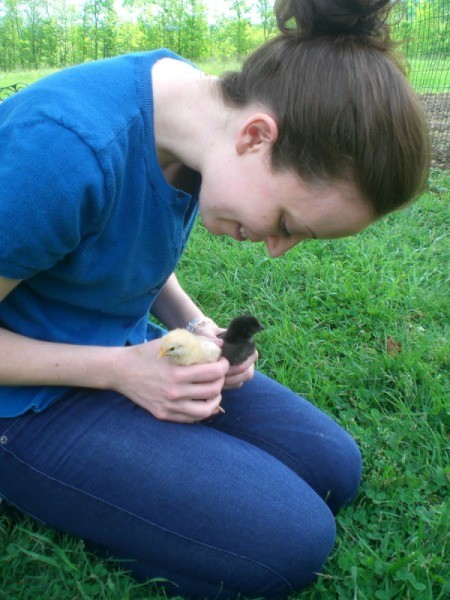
{"x": 238, "y": 342}
{"x": 185, "y": 348}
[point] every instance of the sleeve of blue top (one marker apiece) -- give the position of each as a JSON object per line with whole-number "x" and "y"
{"x": 52, "y": 194}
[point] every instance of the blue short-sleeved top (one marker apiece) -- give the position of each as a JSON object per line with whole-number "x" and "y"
{"x": 87, "y": 219}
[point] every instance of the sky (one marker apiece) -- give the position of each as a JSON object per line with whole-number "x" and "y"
{"x": 213, "y": 6}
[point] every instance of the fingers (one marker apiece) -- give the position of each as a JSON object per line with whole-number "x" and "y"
{"x": 237, "y": 381}
{"x": 208, "y": 329}
{"x": 189, "y": 411}
{"x": 202, "y": 373}
{"x": 168, "y": 391}
{"x": 193, "y": 392}
{"x": 239, "y": 374}
{"x": 202, "y": 409}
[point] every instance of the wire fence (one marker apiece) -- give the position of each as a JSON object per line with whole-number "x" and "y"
{"x": 425, "y": 24}
{"x": 7, "y": 90}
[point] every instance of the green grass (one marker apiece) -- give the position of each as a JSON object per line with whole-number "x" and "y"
{"x": 26, "y": 76}
{"x": 430, "y": 75}
{"x": 217, "y": 66}
{"x": 213, "y": 67}
{"x": 360, "y": 327}
{"x": 426, "y": 75}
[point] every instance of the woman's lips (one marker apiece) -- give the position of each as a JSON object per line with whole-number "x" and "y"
{"x": 242, "y": 234}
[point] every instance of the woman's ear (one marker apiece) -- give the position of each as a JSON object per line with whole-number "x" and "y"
{"x": 257, "y": 130}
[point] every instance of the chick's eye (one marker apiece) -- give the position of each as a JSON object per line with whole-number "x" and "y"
{"x": 284, "y": 229}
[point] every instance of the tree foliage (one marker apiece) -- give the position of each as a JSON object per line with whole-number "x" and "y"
{"x": 56, "y": 33}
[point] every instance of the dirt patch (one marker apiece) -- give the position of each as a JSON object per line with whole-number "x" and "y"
{"x": 437, "y": 109}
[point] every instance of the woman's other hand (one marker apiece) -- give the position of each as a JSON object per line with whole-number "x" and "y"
{"x": 237, "y": 375}
{"x": 183, "y": 394}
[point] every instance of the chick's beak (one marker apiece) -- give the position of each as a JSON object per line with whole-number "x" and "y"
{"x": 162, "y": 352}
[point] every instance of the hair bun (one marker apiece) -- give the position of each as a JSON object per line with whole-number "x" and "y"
{"x": 333, "y": 17}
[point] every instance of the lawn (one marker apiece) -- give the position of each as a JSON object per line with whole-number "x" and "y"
{"x": 26, "y": 76}
{"x": 360, "y": 327}
{"x": 430, "y": 74}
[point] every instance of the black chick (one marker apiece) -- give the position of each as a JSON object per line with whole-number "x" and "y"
{"x": 238, "y": 342}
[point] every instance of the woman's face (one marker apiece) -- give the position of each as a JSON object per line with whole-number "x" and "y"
{"x": 244, "y": 198}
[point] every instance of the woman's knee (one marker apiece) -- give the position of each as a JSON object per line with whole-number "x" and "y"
{"x": 306, "y": 557}
{"x": 295, "y": 551}
{"x": 345, "y": 469}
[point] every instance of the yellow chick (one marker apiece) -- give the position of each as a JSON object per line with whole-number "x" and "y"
{"x": 185, "y": 348}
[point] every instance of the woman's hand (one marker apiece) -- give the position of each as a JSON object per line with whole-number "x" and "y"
{"x": 175, "y": 308}
{"x": 237, "y": 375}
{"x": 184, "y": 394}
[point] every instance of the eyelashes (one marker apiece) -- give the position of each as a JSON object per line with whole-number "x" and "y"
{"x": 286, "y": 233}
{"x": 284, "y": 230}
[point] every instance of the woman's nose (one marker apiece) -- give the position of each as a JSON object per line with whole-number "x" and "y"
{"x": 277, "y": 246}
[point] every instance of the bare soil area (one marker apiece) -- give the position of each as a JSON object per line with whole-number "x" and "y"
{"x": 437, "y": 108}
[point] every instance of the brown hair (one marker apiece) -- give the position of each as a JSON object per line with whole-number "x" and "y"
{"x": 343, "y": 105}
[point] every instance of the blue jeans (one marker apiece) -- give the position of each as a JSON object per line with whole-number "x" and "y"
{"x": 240, "y": 503}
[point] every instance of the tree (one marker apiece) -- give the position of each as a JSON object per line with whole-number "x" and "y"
{"x": 64, "y": 21}
{"x": 36, "y": 33}
{"x": 97, "y": 14}
{"x": 34, "y": 12}
{"x": 195, "y": 31}
{"x": 11, "y": 31}
{"x": 238, "y": 27}
{"x": 264, "y": 9}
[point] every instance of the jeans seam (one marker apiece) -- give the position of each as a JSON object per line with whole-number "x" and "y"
{"x": 155, "y": 525}
{"x": 10, "y": 426}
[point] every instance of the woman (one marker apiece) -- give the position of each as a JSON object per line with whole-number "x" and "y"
{"x": 104, "y": 167}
